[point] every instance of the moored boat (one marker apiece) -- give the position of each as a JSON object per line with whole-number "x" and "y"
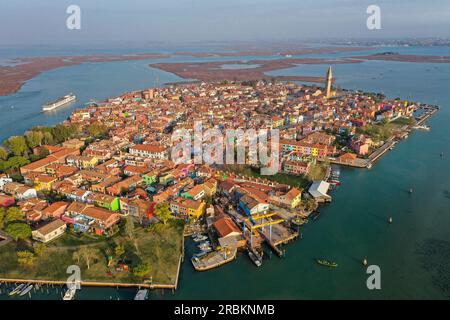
{"x": 256, "y": 259}
{"x": 141, "y": 295}
{"x": 26, "y": 290}
{"x": 18, "y": 289}
{"x": 327, "y": 263}
{"x": 70, "y": 294}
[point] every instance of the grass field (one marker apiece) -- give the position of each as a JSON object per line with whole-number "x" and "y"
{"x": 383, "y": 131}
{"x": 159, "y": 247}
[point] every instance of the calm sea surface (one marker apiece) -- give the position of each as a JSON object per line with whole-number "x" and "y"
{"x": 413, "y": 252}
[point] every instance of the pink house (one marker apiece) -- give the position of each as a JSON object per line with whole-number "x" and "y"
{"x": 6, "y": 201}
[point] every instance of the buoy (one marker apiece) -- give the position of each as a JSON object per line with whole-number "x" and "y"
{"x": 365, "y": 262}
{"x": 390, "y": 220}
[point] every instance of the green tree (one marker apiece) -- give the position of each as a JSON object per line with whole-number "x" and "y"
{"x": 141, "y": 270}
{"x": 39, "y": 248}
{"x": 26, "y": 258}
{"x": 17, "y": 144}
{"x": 18, "y": 231}
{"x": 14, "y": 214}
{"x": 48, "y": 138}
{"x": 34, "y": 138}
{"x": 3, "y": 154}
{"x": 97, "y": 129}
{"x": 2, "y": 217}
{"x": 14, "y": 163}
{"x": 60, "y": 133}
{"x": 162, "y": 212}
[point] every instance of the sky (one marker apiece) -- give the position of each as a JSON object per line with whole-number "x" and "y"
{"x": 132, "y": 22}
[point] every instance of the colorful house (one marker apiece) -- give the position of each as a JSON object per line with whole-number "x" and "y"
{"x": 104, "y": 201}
{"x": 150, "y": 178}
{"x": 44, "y": 182}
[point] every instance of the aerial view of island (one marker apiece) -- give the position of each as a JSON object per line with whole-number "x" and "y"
{"x": 141, "y": 172}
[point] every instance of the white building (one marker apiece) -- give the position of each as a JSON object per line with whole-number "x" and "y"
{"x": 150, "y": 151}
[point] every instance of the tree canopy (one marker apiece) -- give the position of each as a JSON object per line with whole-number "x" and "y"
{"x": 17, "y": 144}
{"x": 18, "y": 231}
{"x": 162, "y": 212}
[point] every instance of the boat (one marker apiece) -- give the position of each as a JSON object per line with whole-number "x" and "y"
{"x": 205, "y": 247}
{"x": 256, "y": 259}
{"x": 335, "y": 182}
{"x": 199, "y": 238}
{"x": 70, "y": 294}
{"x": 202, "y": 253}
{"x": 18, "y": 289}
{"x": 424, "y": 127}
{"x": 327, "y": 263}
{"x": 141, "y": 295}
{"x": 26, "y": 290}
{"x": 59, "y": 103}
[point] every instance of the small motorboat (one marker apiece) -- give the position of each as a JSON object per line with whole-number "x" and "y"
{"x": 199, "y": 238}
{"x": 201, "y": 253}
{"x": 141, "y": 295}
{"x": 327, "y": 263}
{"x": 70, "y": 293}
{"x": 26, "y": 290}
{"x": 206, "y": 247}
{"x": 18, "y": 289}
{"x": 257, "y": 260}
{"x": 335, "y": 182}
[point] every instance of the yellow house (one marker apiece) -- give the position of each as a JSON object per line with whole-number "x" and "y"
{"x": 315, "y": 152}
{"x": 194, "y": 209}
{"x": 210, "y": 187}
{"x": 88, "y": 162}
{"x": 44, "y": 182}
{"x": 277, "y": 122}
{"x": 294, "y": 197}
{"x": 294, "y": 119}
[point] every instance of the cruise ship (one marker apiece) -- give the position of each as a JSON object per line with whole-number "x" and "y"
{"x": 59, "y": 103}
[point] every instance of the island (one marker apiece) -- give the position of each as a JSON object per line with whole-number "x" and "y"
{"x": 105, "y": 191}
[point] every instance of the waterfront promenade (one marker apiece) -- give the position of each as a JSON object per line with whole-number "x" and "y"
{"x": 390, "y": 143}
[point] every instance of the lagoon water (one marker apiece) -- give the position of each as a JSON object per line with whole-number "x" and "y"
{"x": 413, "y": 252}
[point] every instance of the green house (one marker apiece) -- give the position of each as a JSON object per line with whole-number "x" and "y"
{"x": 150, "y": 178}
{"x": 109, "y": 203}
{"x": 166, "y": 179}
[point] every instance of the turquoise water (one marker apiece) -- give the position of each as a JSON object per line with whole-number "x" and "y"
{"x": 413, "y": 252}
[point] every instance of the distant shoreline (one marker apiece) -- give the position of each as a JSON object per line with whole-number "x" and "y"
{"x": 20, "y": 70}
